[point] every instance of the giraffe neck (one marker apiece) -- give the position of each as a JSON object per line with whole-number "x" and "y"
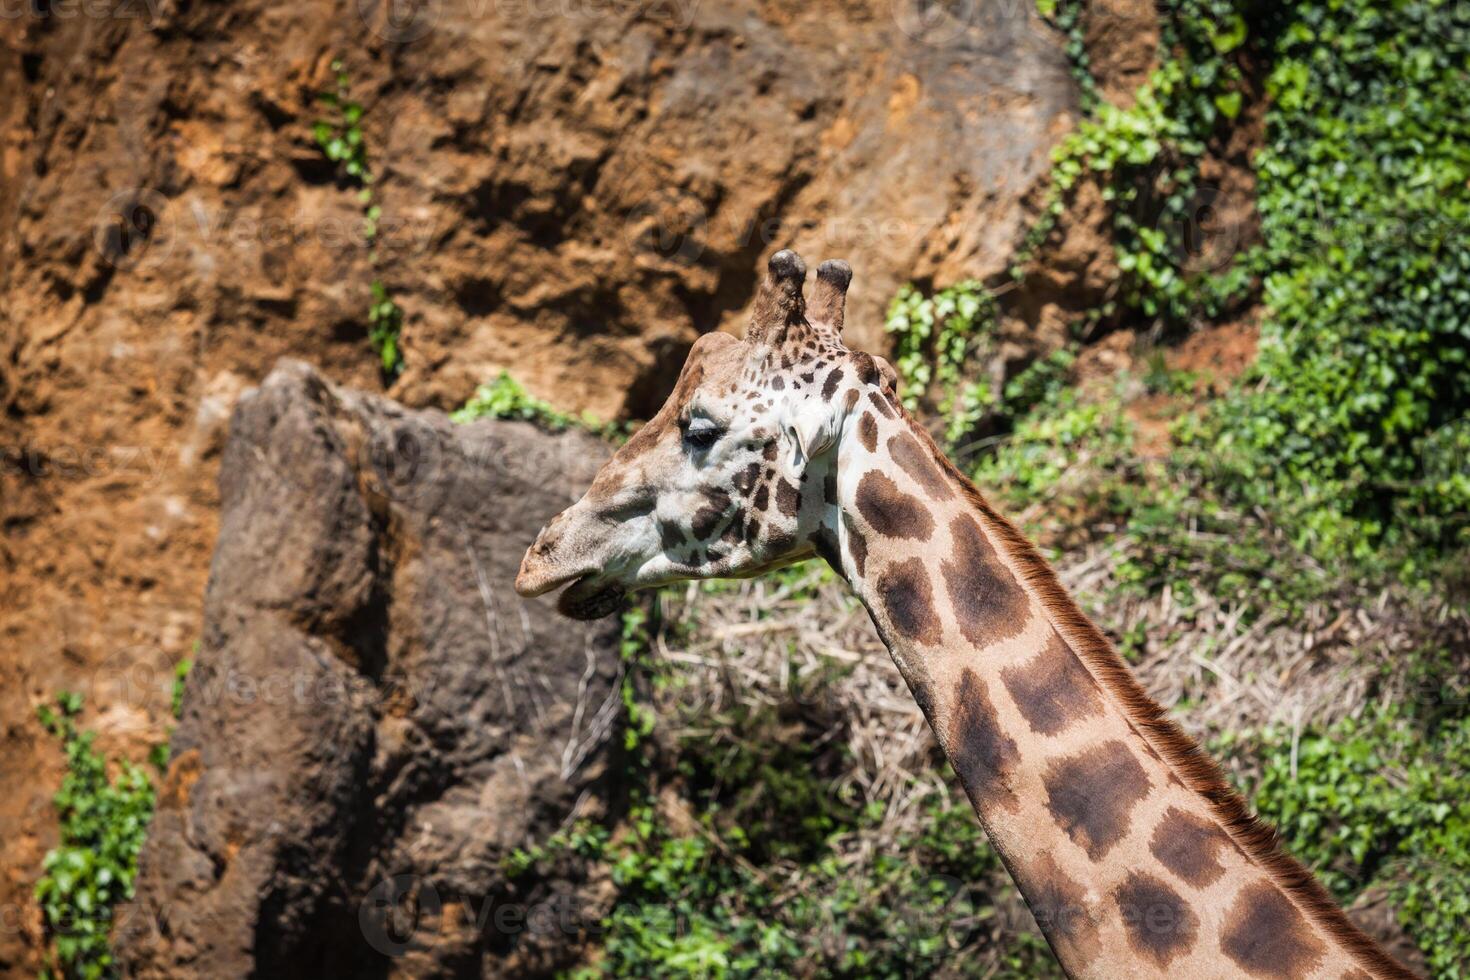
{"x": 1130, "y": 852}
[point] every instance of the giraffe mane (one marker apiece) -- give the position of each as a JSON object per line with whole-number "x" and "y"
{"x": 1200, "y": 773}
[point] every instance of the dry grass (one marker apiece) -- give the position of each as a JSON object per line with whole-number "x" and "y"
{"x": 806, "y": 642}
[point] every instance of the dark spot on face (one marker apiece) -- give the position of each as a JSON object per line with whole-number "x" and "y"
{"x": 707, "y": 518}
{"x": 762, "y": 497}
{"x": 1267, "y": 936}
{"x": 1158, "y": 923}
{"x": 867, "y": 368}
{"x": 890, "y": 511}
{"x": 908, "y": 599}
{"x": 779, "y": 541}
{"x": 778, "y": 383}
{"x": 829, "y": 387}
{"x": 670, "y": 536}
{"x": 987, "y": 600}
{"x": 881, "y": 404}
{"x": 745, "y": 479}
{"x": 911, "y": 456}
{"x": 808, "y": 377}
{"x": 1092, "y": 794}
{"x": 788, "y": 498}
{"x": 735, "y": 530}
{"x": 850, "y": 399}
{"x": 857, "y": 545}
{"x": 1190, "y": 846}
{"x": 982, "y": 754}
{"x": 1059, "y": 906}
{"x": 1053, "y": 689}
{"x": 769, "y": 452}
{"x": 868, "y": 432}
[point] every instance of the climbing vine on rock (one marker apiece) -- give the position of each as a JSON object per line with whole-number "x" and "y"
{"x": 341, "y": 139}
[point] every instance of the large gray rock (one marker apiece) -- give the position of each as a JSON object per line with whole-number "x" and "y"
{"x": 375, "y": 720}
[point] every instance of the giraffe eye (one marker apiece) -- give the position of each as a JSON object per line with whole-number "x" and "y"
{"x": 702, "y": 433}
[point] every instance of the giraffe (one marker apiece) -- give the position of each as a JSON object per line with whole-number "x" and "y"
{"x": 1134, "y": 856}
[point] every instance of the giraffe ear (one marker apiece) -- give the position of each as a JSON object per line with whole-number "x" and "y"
{"x": 779, "y": 302}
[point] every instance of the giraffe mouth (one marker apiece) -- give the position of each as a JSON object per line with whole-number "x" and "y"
{"x": 587, "y": 599}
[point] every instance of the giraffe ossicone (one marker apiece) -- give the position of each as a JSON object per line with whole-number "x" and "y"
{"x": 1134, "y": 856}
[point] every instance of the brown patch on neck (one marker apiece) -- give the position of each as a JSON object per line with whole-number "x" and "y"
{"x": 988, "y": 601}
{"x": 1091, "y": 795}
{"x": 881, "y": 404}
{"x": 1267, "y": 936}
{"x": 1053, "y": 689}
{"x": 1060, "y": 908}
{"x": 905, "y": 594}
{"x": 982, "y": 753}
{"x": 868, "y": 432}
{"x": 913, "y": 460}
{"x": 890, "y": 511}
{"x": 1189, "y": 846}
{"x": 1159, "y": 925}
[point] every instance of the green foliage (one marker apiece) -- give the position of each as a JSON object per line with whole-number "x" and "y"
{"x": 1381, "y": 801}
{"x": 1070, "y": 454}
{"x": 385, "y": 325}
{"x": 1352, "y": 425}
{"x": 1146, "y": 159}
{"x": 934, "y": 338}
{"x": 342, "y": 141}
{"x": 1066, "y": 17}
{"x": 176, "y": 691}
{"x": 91, "y": 870}
{"x": 504, "y": 398}
{"x": 700, "y": 904}
{"x": 750, "y": 863}
{"x": 634, "y": 649}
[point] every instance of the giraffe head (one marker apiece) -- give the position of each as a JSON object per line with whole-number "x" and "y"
{"x": 735, "y": 474}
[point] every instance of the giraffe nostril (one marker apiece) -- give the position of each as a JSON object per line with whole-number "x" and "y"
{"x": 545, "y": 542}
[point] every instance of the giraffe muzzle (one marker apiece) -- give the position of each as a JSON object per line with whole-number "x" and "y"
{"x": 545, "y": 568}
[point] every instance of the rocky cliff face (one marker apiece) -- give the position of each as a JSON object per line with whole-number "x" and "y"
{"x": 574, "y": 191}
{"x": 376, "y": 721}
